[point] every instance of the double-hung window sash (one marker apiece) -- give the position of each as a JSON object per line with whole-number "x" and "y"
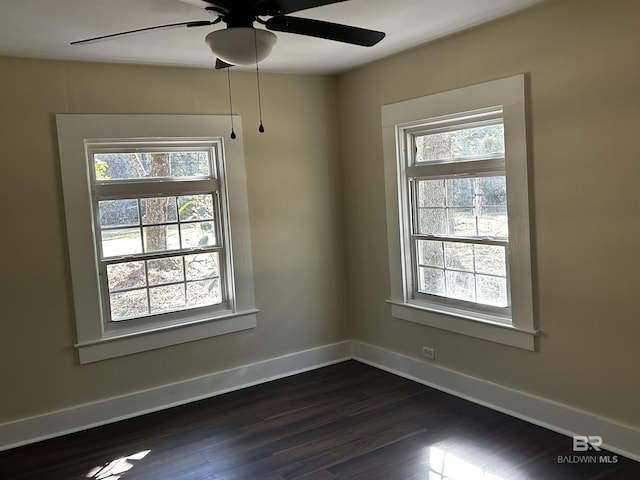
{"x": 160, "y": 231}
{"x": 456, "y": 212}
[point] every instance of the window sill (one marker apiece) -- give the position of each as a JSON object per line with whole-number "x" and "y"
{"x": 486, "y": 329}
{"x": 128, "y": 343}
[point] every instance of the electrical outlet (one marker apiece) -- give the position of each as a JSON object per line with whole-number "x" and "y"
{"x": 428, "y": 352}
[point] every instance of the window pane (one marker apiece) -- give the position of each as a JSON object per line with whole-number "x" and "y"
{"x": 190, "y": 164}
{"x": 118, "y": 213}
{"x": 432, "y": 221}
{"x": 158, "y": 210}
{"x": 430, "y": 253}
{"x": 165, "y": 270}
{"x": 204, "y": 292}
{"x": 458, "y": 256}
{"x": 460, "y": 192}
{"x": 492, "y": 290}
{"x": 492, "y": 207}
{"x": 459, "y": 144}
{"x": 167, "y": 298}
{"x": 492, "y": 191}
{"x": 121, "y": 241}
{"x": 199, "y": 234}
{"x": 431, "y": 193}
{"x": 130, "y": 304}
{"x": 160, "y": 238}
{"x": 127, "y": 275}
{"x": 491, "y": 259}
{"x": 493, "y": 222}
{"x": 432, "y": 281}
{"x": 462, "y": 222}
{"x": 461, "y": 285}
{"x": 131, "y": 166}
{"x": 195, "y": 207}
{"x": 204, "y": 265}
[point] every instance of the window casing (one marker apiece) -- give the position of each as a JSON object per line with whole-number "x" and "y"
{"x": 457, "y": 212}
{"x": 158, "y": 231}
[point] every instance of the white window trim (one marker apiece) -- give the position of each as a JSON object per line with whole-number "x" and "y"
{"x": 508, "y": 93}
{"x": 93, "y": 343}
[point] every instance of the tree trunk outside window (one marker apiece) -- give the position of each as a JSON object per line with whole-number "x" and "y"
{"x": 156, "y": 211}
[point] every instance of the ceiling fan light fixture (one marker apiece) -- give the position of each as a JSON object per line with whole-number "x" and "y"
{"x": 237, "y": 45}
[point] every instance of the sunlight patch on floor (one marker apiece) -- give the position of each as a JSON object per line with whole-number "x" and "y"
{"x": 444, "y": 465}
{"x": 115, "y": 469}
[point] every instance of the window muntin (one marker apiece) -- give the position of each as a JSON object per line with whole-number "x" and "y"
{"x": 457, "y": 212}
{"x": 158, "y": 253}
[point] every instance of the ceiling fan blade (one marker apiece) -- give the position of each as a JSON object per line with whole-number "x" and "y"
{"x": 220, "y": 64}
{"x": 328, "y": 30}
{"x": 283, "y": 7}
{"x": 198, "y": 23}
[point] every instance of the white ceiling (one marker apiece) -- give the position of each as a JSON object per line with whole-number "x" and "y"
{"x": 44, "y": 29}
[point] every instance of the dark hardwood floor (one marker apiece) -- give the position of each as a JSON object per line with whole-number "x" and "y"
{"x": 346, "y": 421}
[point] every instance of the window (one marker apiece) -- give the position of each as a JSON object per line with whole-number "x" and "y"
{"x": 154, "y": 223}
{"x": 160, "y": 220}
{"x": 457, "y": 211}
{"x": 457, "y": 208}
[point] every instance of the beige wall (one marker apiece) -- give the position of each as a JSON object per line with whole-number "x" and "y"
{"x": 295, "y": 212}
{"x": 582, "y": 62}
{"x": 581, "y": 57}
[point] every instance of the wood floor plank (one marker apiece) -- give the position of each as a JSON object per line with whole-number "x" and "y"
{"x": 345, "y": 421}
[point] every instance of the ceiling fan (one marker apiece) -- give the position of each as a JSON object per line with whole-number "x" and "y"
{"x": 242, "y": 44}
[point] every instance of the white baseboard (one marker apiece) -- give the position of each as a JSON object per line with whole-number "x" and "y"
{"x": 540, "y": 411}
{"x": 41, "y": 427}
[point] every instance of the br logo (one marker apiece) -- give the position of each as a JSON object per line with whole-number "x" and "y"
{"x": 583, "y": 443}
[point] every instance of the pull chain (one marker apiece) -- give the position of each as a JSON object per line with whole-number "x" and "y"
{"x": 255, "y": 42}
{"x": 233, "y": 133}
